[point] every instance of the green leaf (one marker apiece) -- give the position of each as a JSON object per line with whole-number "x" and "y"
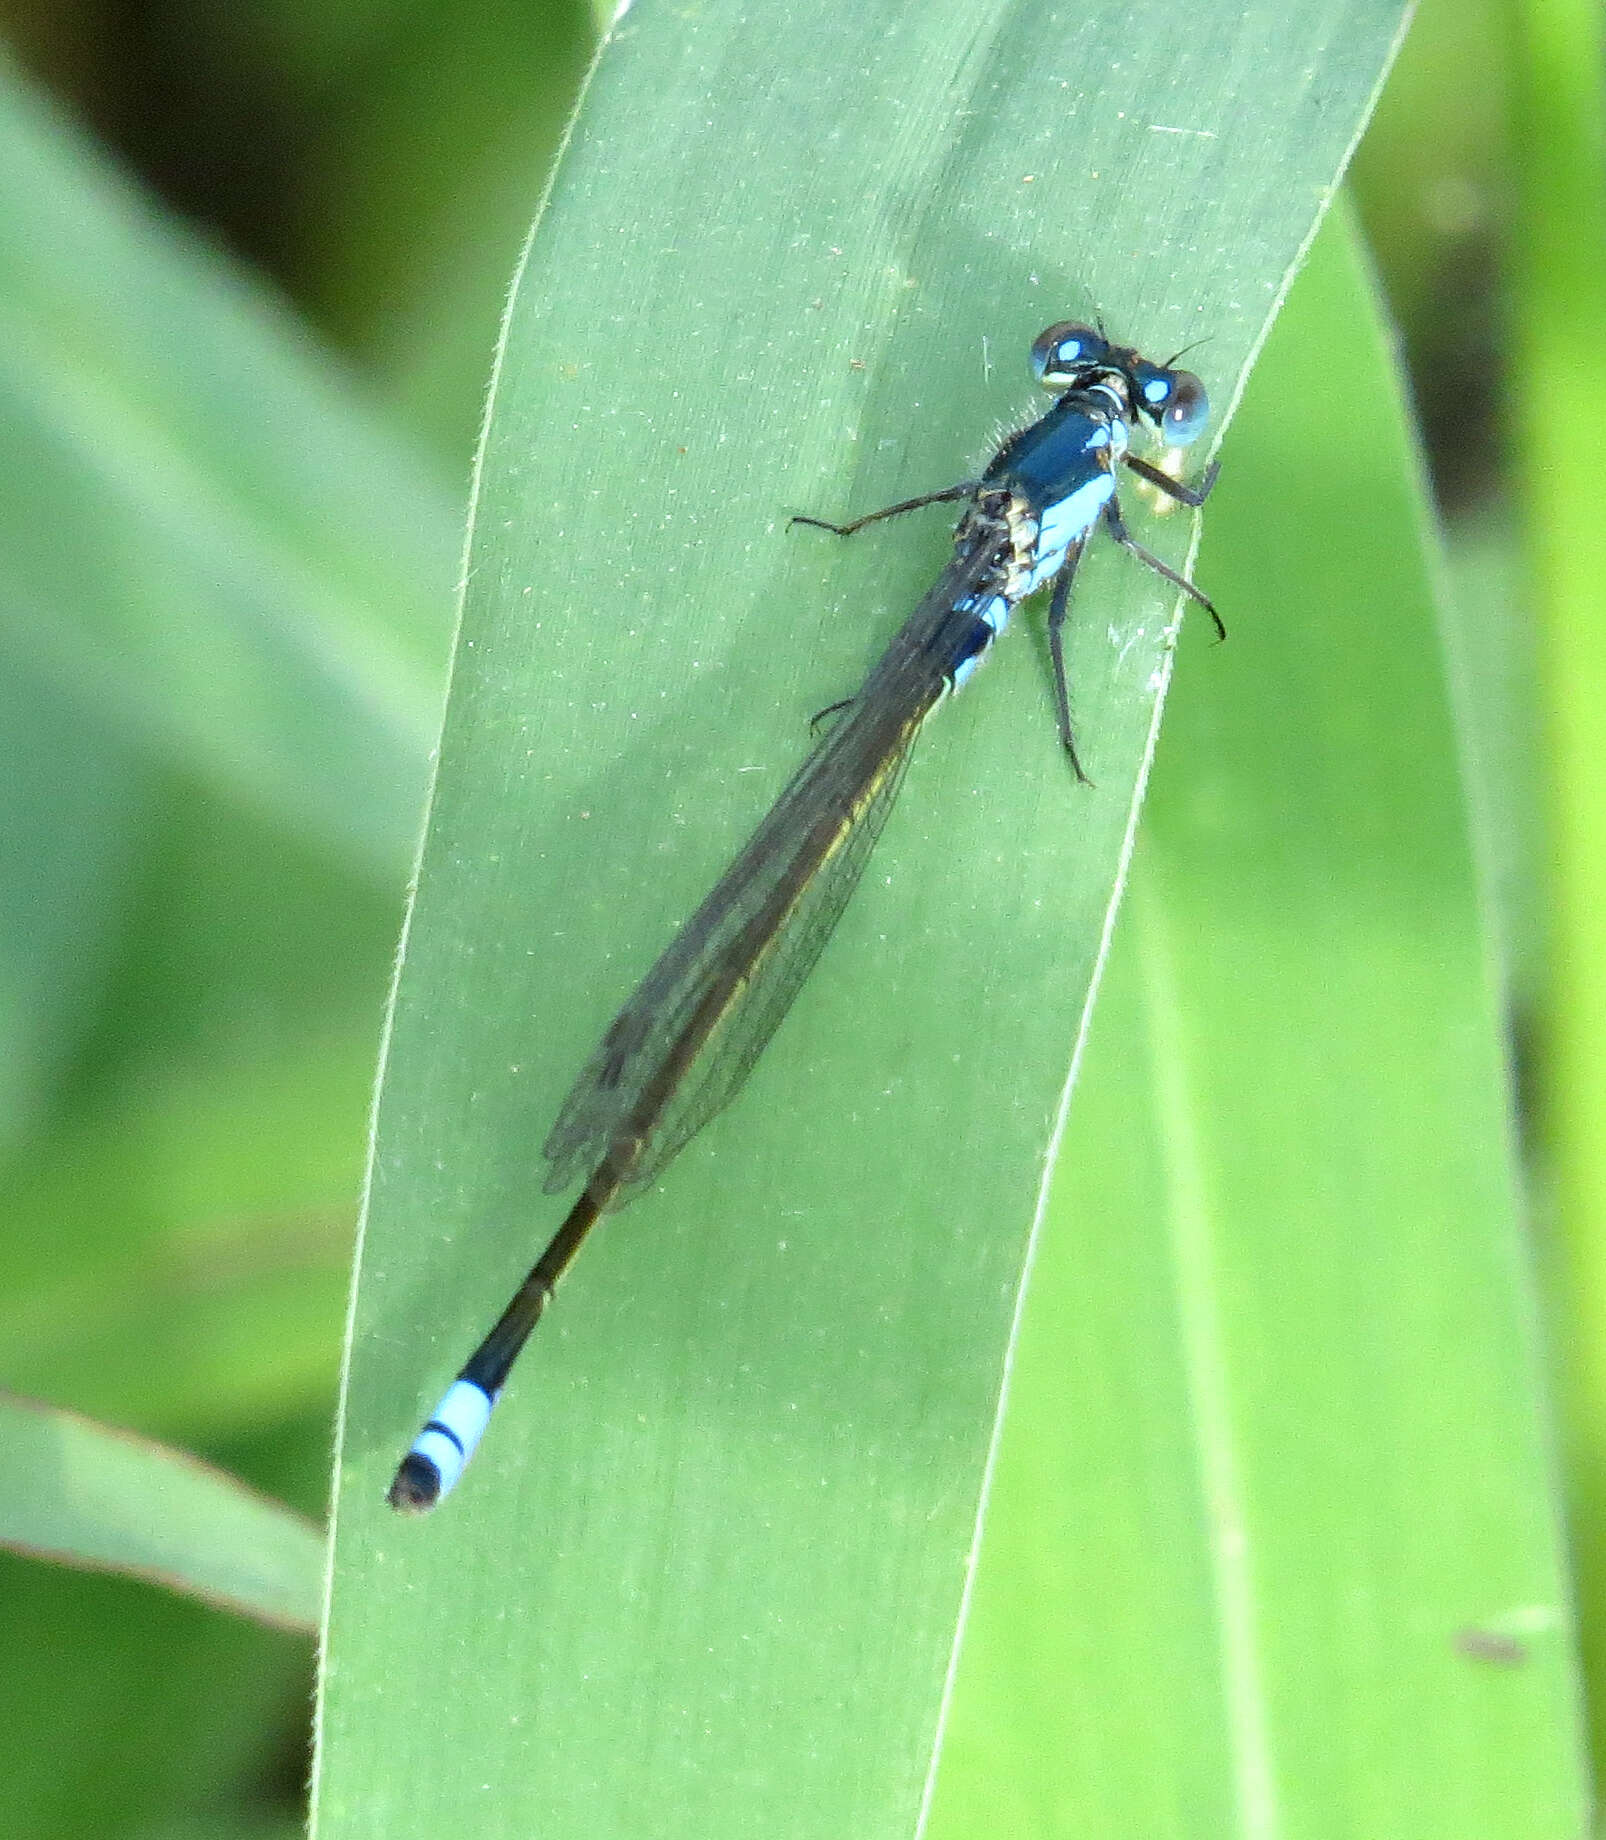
{"x": 1274, "y": 1509}
{"x": 707, "y": 1574}
{"x": 112, "y": 1502}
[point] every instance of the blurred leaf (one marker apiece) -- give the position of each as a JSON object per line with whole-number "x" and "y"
{"x": 712, "y": 1560}
{"x": 73, "y": 815}
{"x": 128, "y": 1705}
{"x": 202, "y": 536}
{"x": 1493, "y": 676}
{"x": 225, "y": 1828}
{"x": 195, "y": 886}
{"x": 1431, "y": 177}
{"x": 1557, "y": 277}
{"x": 424, "y": 161}
{"x": 177, "y": 1261}
{"x": 103, "y": 1499}
{"x": 222, "y": 613}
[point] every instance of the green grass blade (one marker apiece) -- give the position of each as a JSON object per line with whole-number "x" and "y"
{"x": 1276, "y": 1444}
{"x": 707, "y": 1575}
{"x": 104, "y": 1499}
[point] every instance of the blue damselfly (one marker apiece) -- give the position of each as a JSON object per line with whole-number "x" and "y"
{"x": 682, "y": 1045}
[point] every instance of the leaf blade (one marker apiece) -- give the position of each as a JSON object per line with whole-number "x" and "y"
{"x": 784, "y": 1388}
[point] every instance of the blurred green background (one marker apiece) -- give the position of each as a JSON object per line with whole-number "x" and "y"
{"x": 197, "y": 942}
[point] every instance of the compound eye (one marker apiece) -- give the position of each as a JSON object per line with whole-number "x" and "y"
{"x": 1062, "y": 352}
{"x": 1175, "y": 401}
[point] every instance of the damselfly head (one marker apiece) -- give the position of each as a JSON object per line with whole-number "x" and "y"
{"x": 1174, "y": 401}
{"x": 1071, "y": 356}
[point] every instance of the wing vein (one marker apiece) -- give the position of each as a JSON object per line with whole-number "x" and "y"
{"x": 683, "y": 1044}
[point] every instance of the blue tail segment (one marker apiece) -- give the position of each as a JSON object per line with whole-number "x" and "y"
{"x": 441, "y": 1451}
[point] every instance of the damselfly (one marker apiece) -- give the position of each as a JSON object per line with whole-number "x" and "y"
{"x": 682, "y": 1045}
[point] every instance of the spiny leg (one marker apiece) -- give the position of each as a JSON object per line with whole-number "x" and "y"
{"x": 1118, "y": 530}
{"x": 1057, "y": 609}
{"x": 831, "y": 709}
{"x": 966, "y": 488}
{"x": 1192, "y": 496}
